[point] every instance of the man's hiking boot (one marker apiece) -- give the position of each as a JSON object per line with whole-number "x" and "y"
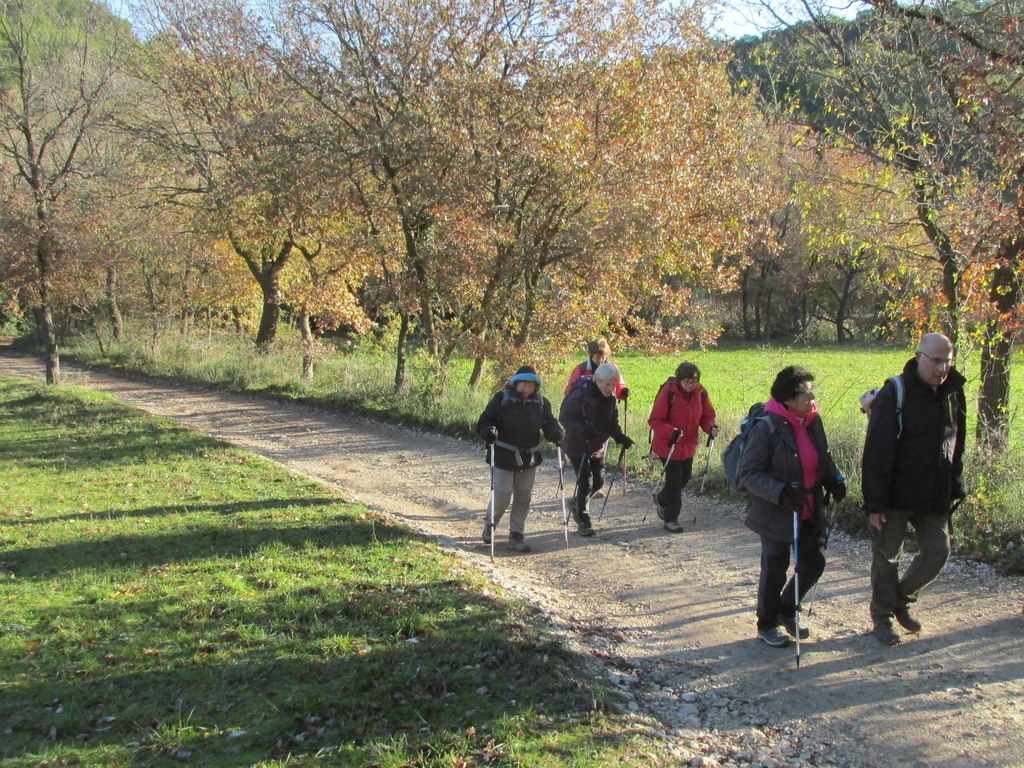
{"x": 773, "y": 637}
{"x": 885, "y": 634}
{"x": 517, "y": 542}
{"x": 659, "y": 507}
{"x": 584, "y": 526}
{"x": 598, "y": 494}
{"x": 789, "y": 624}
{"x": 486, "y": 535}
{"x": 673, "y": 526}
{"x": 907, "y": 621}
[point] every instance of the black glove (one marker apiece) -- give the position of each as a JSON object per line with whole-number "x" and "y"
{"x": 492, "y": 435}
{"x": 958, "y": 491}
{"x": 625, "y": 442}
{"x": 624, "y": 393}
{"x": 676, "y": 434}
{"x": 838, "y": 490}
{"x": 792, "y": 498}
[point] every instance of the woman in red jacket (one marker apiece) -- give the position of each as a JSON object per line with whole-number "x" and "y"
{"x": 681, "y": 409}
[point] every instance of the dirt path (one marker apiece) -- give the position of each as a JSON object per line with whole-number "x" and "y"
{"x": 671, "y": 616}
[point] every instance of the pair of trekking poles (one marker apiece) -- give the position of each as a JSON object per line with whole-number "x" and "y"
{"x": 620, "y": 465}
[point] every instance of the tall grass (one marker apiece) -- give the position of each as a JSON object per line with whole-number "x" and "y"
{"x": 989, "y": 525}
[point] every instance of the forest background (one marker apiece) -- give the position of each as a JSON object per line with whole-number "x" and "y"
{"x": 432, "y": 183}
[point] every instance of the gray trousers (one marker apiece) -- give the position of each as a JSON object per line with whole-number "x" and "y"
{"x": 889, "y": 592}
{"x": 514, "y": 486}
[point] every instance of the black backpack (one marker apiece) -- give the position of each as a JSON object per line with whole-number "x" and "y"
{"x": 734, "y": 450}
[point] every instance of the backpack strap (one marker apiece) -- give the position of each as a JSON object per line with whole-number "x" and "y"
{"x": 897, "y": 382}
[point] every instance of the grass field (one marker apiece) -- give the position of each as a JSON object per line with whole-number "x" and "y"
{"x": 168, "y": 600}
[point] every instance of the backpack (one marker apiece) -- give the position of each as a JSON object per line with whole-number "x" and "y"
{"x": 869, "y": 397}
{"x": 734, "y": 450}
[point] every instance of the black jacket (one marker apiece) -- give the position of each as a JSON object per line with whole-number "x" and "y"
{"x": 589, "y": 419}
{"x": 520, "y": 423}
{"x": 769, "y": 464}
{"x": 922, "y": 471}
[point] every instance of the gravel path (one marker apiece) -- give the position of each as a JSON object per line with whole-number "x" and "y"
{"x": 670, "y": 618}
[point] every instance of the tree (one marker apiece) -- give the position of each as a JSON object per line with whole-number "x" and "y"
{"x": 59, "y": 64}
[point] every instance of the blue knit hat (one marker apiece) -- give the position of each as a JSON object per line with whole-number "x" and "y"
{"x": 525, "y": 373}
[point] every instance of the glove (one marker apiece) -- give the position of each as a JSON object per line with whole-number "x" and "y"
{"x": 715, "y": 430}
{"x": 492, "y": 435}
{"x": 676, "y": 434}
{"x": 625, "y": 442}
{"x": 792, "y": 498}
{"x": 838, "y": 490}
{"x": 624, "y": 393}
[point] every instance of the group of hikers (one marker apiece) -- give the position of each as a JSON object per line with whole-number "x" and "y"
{"x": 912, "y": 470}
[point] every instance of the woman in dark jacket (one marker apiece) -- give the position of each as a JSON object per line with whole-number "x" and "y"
{"x": 590, "y": 417}
{"x": 512, "y": 424}
{"x": 785, "y": 467}
{"x": 681, "y": 409}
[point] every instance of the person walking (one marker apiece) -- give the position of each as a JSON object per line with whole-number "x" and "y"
{"x": 598, "y": 353}
{"x": 512, "y": 424}
{"x": 590, "y": 416}
{"x": 681, "y": 409}
{"x": 912, "y": 471}
{"x": 786, "y": 467}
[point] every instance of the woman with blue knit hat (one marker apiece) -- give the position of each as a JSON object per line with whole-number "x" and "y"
{"x": 512, "y": 425}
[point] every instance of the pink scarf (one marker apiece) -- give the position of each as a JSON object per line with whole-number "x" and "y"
{"x": 805, "y": 449}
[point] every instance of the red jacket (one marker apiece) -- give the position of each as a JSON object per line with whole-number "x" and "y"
{"x": 675, "y": 408}
{"x": 587, "y": 368}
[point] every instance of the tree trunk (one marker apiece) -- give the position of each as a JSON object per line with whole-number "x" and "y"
{"x": 400, "y": 361}
{"x": 478, "y": 372}
{"x": 308, "y": 346}
{"x": 116, "y": 322}
{"x": 99, "y": 335}
{"x": 44, "y": 261}
{"x": 993, "y": 426}
{"x": 236, "y": 318}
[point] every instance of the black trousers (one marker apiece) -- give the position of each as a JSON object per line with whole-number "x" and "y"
{"x": 776, "y": 596}
{"x": 677, "y": 475}
{"x": 589, "y": 470}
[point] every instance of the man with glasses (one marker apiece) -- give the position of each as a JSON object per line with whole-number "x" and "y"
{"x": 912, "y": 473}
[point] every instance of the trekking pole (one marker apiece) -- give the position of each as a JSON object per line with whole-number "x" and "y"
{"x": 707, "y": 464}
{"x": 796, "y": 580}
{"x": 625, "y": 428}
{"x": 490, "y": 523}
{"x": 561, "y": 494}
{"x": 654, "y": 488}
{"x": 619, "y": 467}
{"x": 831, "y": 504}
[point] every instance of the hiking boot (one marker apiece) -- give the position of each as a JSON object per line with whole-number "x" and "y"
{"x": 773, "y": 637}
{"x": 517, "y": 542}
{"x": 789, "y": 624}
{"x": 583, "y": 525}
{"x": 884, "y": 632}
{"x": 658, "y": 507}
{"x": 907, "y": 621}
{"x": 486, "y": 535}
{"x": 598, "y": 494}
{"x": 673, "y": 526}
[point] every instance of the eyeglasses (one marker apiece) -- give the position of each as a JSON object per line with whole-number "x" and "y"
{"x": 688, "y": 381}
{"x": 938, "y": 361}
{"x": 805, "y": 393}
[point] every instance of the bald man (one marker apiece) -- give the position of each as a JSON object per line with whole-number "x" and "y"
{"x": 912, "y": 473}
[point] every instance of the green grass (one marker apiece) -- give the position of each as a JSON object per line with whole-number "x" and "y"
{"x": 990, "y": 525}
{"x": 168, "y": 600}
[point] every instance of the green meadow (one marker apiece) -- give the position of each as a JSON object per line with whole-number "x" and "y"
{"x": 168, "y": 600}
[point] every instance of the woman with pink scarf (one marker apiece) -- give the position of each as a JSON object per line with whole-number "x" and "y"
{"x": 786, "y": 467}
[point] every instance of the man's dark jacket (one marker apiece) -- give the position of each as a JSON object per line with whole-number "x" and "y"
{"x": 922, "y": 470}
